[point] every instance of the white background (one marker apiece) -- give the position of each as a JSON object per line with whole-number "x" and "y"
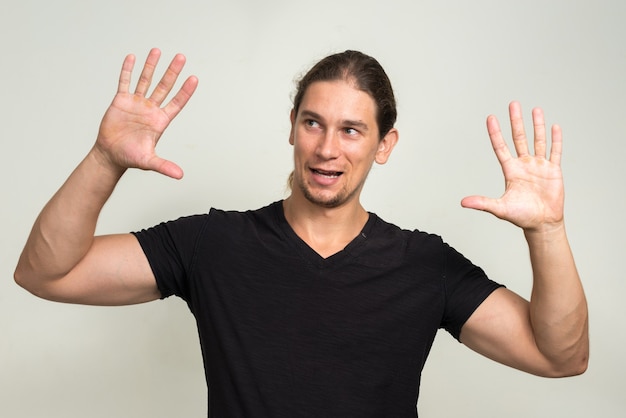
{"x": 451, "y": 62}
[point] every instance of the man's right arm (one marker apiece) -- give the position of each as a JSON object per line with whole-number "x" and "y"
{"x": 62, "y": 259}
{"x": 64, "y": 262}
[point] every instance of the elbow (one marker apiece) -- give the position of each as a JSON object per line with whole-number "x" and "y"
{"x": 577, "y": 367}
{"x": 573, "y": 358}
{"x": 20, "y": 277}
{"x": 25, "y": 281}
{"x": 573, "y": 367}
{"x": 575, "y": 370}
{"x": 29, "y": 281}
{"x": 24, "y": 274}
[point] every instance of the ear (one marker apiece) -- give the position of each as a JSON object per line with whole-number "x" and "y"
{"x": 386, "y": 145}
{"x": 292, "y": 119}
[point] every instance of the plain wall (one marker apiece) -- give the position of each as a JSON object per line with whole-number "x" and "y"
{"x": 451, "y": 62}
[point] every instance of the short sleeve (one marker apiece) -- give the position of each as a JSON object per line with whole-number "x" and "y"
{"x": 466, "y": 287}
{"x": 170, "y": 248}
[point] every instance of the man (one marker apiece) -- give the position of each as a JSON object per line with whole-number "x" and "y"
{"x": 313, "y": 306}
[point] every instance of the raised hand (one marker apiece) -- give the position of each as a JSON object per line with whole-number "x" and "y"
{"x": 134, "y": 122}
{"x": 533, "y": 196}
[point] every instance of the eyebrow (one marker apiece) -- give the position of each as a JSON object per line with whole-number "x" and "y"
{"x": 348, "y": 122}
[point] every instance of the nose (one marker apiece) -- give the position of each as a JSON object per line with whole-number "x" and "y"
{"x": 328, "y": 147}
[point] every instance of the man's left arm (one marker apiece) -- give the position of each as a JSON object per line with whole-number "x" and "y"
{"x": 547, "y": 336}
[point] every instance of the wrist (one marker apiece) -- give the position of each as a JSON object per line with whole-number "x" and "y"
{"x": 105, "y": 164}
{"x": 548, "y": 232}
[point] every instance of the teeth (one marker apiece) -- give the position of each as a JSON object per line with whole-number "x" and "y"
{"x": 329, "y": 174}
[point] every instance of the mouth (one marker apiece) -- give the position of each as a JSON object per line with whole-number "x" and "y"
{"x": 327, "y": 174}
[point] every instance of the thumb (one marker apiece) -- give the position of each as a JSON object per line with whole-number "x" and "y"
{"x": 165, "y": 167}
{"x": 479, "y": 203}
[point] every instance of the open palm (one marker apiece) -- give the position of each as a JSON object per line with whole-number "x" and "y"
{"x": 533, "y": 195}
{"x": 133, "y": 124}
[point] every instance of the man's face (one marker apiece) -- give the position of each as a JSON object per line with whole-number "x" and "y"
{"x": 336, "y": 140}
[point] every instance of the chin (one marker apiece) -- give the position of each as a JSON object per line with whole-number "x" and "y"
{"x": 325, "y": 200}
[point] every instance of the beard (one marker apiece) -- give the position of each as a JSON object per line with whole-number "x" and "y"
{"x": 328, "y": 201}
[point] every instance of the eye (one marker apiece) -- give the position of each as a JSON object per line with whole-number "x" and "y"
{"x": 350, "y": 131}
{"x": 311, "y": 123}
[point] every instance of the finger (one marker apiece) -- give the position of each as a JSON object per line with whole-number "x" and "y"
{"x": 485, "y": 204}
{"x": 165, "y": 167}
{"x": 145, "y": 79}
{"x": 182, "y": 97}
{"x": 517, "y": 129}
{"x": 497, "y": 141}
{"x": 539, "y": 127}
{"x": 127, "y": 69}
{"x": 169, "y": 78}
{"x": 481, "y": 203}
{"x": 557, "y": 145}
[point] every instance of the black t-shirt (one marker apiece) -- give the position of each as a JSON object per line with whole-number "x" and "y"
{"x": 285, "y": 332}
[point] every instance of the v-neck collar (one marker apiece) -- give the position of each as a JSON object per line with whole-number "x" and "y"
{"x": 313, "y": 257}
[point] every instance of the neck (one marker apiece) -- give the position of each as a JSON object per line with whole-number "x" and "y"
{"x": 325, "y": 230}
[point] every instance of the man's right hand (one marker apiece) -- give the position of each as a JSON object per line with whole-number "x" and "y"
{"x": 134, "y": 122}
{"x": 62, "y": 259}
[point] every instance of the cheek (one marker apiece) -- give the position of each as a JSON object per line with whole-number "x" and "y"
{"x": 297, "y": 147}
{"x": 358, "y": 155}
{"x": 302, "y": 144}
{"x": 300, "y": 151}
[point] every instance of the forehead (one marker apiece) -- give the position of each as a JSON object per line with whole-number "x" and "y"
{"x": 339, "y": 99}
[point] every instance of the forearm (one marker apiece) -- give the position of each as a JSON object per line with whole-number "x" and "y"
{"x": 558, "y": 307}
{"x": 64, "y": 230}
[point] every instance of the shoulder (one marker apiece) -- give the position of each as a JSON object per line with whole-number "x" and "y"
{"x": 268, "y": 211}
{"x": 412, "y": 240}
{"x": 235, "y": 220}
{"x": 404, "y": 246}
{"x": 215, "y": 217}
{"x": 215, "y": 224}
